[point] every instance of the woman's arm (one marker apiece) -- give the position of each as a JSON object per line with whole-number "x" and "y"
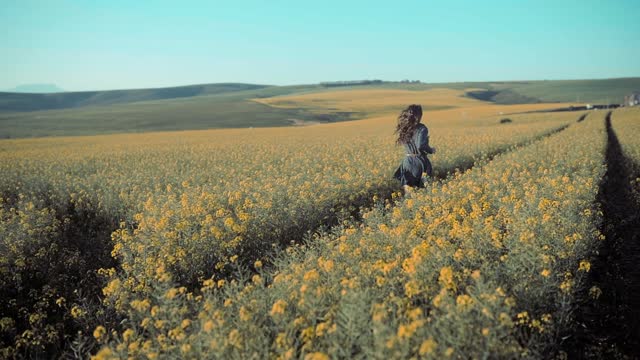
{"x": 423, "y": 141}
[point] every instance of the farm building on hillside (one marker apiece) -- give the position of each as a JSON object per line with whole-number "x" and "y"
{"x": 632, "y": 100}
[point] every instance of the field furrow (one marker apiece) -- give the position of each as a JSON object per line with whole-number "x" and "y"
{"x": 607, "y": 321}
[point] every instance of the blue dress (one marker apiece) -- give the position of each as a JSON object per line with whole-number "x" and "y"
{"x": 415, "y": 161}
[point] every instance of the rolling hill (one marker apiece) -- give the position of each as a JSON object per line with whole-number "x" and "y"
{"x": 603, "y": 91}
{"x": 233, "y": 105}
{"x": 35, "y": 102}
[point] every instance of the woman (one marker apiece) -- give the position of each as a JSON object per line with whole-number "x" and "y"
{"x": 415, "y": 138}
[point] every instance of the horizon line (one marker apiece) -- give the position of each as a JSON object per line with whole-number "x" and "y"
{"x": 308, "y": 84}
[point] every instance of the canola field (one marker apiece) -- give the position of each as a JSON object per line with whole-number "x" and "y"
{"x": 296, "y": 243}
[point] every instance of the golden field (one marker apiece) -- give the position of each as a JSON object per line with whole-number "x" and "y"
{"x": 627, "y": 127}
{"x": 295, "y": 243}
{"x": 389, "y": 102}
{"x": 464, "y": 268}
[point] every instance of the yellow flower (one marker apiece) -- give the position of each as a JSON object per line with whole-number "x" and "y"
{"x": 438, "y": 299}
{"x": 321, "y": 328}
{"x": 409, "y": 265}
{"x": 584, "y": 266}
{"x": 378, "y": 312}
{"x": 235, "y": 338}
{"x": 326, "y": 265}
{"x": 316, "y": 356}
{"x": 449, "y": 352}
{"x": 228, "y": 222}
{"x": 523, "y": 317}
{"x": 407, "y": 330}
{"x": 127, "y": 335}
{"x": 278, "y": 308}
{"x": 145, "y": 322}
{"x": 99, "y": 332}
{"x": 208, "y": 326}
{"x": 282, "y": 340}
{"x": 140, "y": 305}
{"x": 475, "y": 275}
{"x": 159, "y": 324}
{"x": 311, "y": 275}
{"x": 411, "y": 288}
{"x": 545, "y": 273}
{"x": 77, "y": 312}
{"x": 104, "y": 354}
{"x": 464, "y": 302}
{"x": 566, "y": 285}
{"x": 446, "y": 277}
{"x": 245, "y": 315}
{"x": 133, "y": 347}
{"x": 428, "y": 346}
{"x": 171, "y": 293}
{"x": 504, "y": 319}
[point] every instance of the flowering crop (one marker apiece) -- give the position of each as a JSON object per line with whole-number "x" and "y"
{"x": 180, "y": 208}
{"x": 486, "y": 262}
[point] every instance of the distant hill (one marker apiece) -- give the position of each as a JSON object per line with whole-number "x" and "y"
{"x": 11, "y": 101}
{"x": 230, "y": 109}
{"x": 230, "y": 105}
{"x": 36, "y": 88}
{"x": 602, "y": 91}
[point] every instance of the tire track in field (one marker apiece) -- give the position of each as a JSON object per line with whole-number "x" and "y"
{"x": 581, "y": 118}
{"x": 351, "y": 213}
{"x": 493, "y": 154}
{"x": 609, "y": 326}
{"x": 384, "y": 193}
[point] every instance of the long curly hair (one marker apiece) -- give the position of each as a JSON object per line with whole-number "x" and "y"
{"x": 407, "y": 122}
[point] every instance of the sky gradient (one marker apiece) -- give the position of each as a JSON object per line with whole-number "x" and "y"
{"x": 115, "y": 44}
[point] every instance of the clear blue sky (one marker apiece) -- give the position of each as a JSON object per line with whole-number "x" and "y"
{"x": 84, "y": 45}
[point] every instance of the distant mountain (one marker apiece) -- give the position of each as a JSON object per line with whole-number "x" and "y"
{"x": 36, "y": 88}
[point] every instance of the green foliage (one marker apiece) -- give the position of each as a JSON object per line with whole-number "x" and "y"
{"x": 48, "y": 276}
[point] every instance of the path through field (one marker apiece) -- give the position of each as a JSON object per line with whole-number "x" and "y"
{"x": 385, "y": 193}
{"x": 610, "y": 326}
{"x": 91, "y": 221}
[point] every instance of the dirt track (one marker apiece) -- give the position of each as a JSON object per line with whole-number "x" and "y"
{"x": 609, "y": 326}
